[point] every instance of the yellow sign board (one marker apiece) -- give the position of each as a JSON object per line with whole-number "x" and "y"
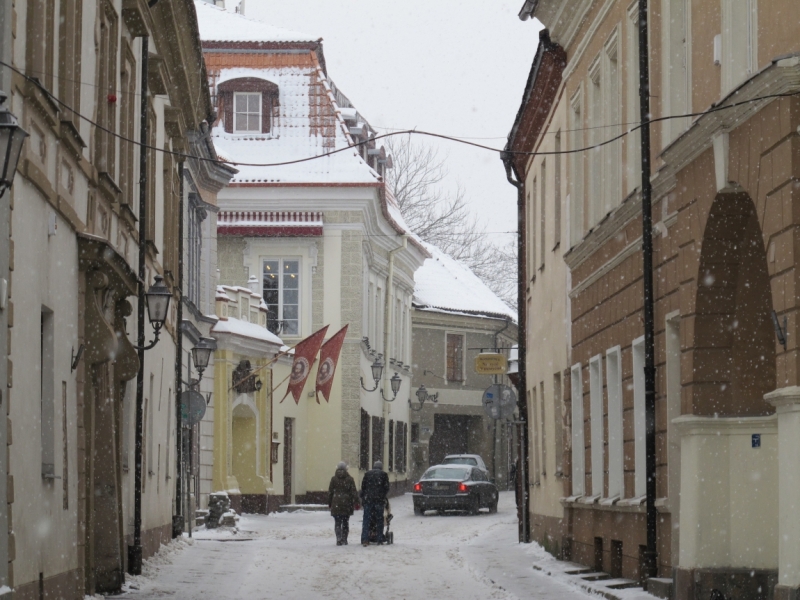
{"x": 491, "y": 363}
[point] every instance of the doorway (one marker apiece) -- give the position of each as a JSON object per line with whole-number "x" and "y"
{"x": 288, "y": 426}
{"x": 454, "y": 434}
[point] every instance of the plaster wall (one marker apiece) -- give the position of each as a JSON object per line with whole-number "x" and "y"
{"x": 45, "y": 275}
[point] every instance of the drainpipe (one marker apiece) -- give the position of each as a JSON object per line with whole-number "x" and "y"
{"x": 522, "y": 403}
{"x": 387, "y": 324}
{"x": 177, "y": 524}
{"x": 135, "y": 550}
{"x": 651, "y": 556}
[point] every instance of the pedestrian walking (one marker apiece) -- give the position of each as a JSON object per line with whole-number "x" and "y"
{"x": 374, "y": 489}
{"x": 342, "y": 500}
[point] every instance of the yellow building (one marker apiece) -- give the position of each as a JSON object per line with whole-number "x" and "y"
{"x": 242, "y": 399}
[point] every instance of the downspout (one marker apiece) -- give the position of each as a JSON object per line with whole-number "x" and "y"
{"x": 387, "y": 326}
{"x": 135, "y": 550}
{"x": 177, "y": 523}
{"x": 522, "y": 403}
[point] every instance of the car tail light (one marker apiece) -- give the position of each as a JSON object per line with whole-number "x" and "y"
{"x": 417, "y": 487}
{"x": 462, "y": 488}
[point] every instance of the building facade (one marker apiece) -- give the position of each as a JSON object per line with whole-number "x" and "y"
{"x": 455, "y": 317}
{"x": 73, "y": 230}
{"x": 320, "y": 240}
{"x": 724, "y": 236}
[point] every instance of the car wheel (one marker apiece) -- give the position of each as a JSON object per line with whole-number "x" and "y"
{"x": 493, "y": 507}
{"x": 419, "y": 511}
{"x": 474, "y": 505}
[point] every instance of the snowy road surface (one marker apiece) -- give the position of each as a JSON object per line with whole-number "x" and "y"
{"x": 294, "y": 555}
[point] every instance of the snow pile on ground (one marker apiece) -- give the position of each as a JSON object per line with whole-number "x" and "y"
{"x": 156, "y": 564}
{"x": 445, "y": 284}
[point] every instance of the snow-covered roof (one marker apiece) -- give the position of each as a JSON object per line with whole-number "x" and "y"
{"x": 444, "y": 284}
{"x": 245, "y": 329}
{"x": 219, "y": 25}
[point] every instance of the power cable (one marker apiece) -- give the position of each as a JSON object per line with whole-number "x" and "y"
{"x": 185, "y": 156}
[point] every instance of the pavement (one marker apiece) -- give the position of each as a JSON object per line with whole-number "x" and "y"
{"x": 294, "y": 555}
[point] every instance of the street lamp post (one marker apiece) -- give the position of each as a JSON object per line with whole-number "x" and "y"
{"x": 423, "y": 396}
{"x": 377, "y": 371}
{"x": 12, "y": 137}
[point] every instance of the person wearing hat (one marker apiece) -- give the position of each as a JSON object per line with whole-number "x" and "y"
{"x": 342, "y": 500}
{"x": 374, "y": 489}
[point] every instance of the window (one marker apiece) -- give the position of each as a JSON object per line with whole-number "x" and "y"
{"x": 391, "y": 445}
{"x": 533, "y": 197}
{"x": 576, "y": 169}
{"x": 558, "y": 424}
{"x": 194, "y": 247}
{"x": 415, "y": 433}
{"x": 557, "y": 194}
{"x": 578, "y": 445}
{"x": 64, "y": 448}
{"x": 612, "y": 194}
{"x": 378, "y": 424}
{"x": 282, "y": 295}
{"x": 400, "y": 429}
{"x": 596, "y": 136}
{"x": 673, "y": 373}
{"x": 615, "y": 435}
{"x": 247, "y": 112}
{"x": 542, "y": 214}
{"x": 455, "y": 357}
{"x": 739, "y": 42}
{"x": 47, "y": 362}
{"x": 596, "y": 430}
{"x": 640, "y": 481}
{"x": 534, "y": 414}
{"x": 676, "y": 58}
{"x": 363, "y": 455}
{"x": 634, "y": 150}
{"x": 542, "y": 427}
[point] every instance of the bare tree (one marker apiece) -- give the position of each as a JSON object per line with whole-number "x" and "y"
{"x": 443, "y": 218}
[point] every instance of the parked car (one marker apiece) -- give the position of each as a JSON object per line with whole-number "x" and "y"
{"x": 454, "y": 487}
{"x": 474, "y": 460}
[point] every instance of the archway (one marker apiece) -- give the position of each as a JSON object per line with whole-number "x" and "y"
{"x": 244, "y": 463}
{"x": 734, "y": 347}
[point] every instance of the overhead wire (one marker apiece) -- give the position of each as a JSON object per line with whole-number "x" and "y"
{"x": 184, "y": 156}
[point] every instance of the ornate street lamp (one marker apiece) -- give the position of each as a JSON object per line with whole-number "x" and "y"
{"x": 395, "y": 382}
{"x": 423, "y": 396}
{"x": 377, "y": 371}
{"x": 201, "y": 355}
{"x": 11, "y": 138}
{"x": 157, "y": 300}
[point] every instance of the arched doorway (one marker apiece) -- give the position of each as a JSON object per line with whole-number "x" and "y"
{"x": 734, "y": 345}
{"x": 244, "y": 459}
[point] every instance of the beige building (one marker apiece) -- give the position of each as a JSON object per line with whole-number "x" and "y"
{"x": 455, "y": 317}
{"x": 724, "y": 231}
{"x": 320, "y": 241}
{"x": 72, "y": 284}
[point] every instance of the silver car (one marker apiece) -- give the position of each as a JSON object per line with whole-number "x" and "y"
{"x": 473, "y": 460}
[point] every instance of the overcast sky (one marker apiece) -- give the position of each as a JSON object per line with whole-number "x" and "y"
{"x": 456, "y": 67}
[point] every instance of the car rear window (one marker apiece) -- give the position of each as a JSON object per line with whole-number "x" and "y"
{"x": 446, "y": 473}
{"x": 461, "y": 460}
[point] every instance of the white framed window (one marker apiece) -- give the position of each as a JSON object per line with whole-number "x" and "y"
{"x": 454, "y": 356}
{"x": 616, "y": 453}
{"x": 739, "y": 42}
{"x": 246, "y": 112}
{"x": 676, "y": 52}
{"x": 578, "y": 444}
{"x": 596, "y": 136}
{"x": 596, "y": 418}
{"x": 576, "y": 169}
{"x": 612, "y": 101}
{"x": 634, "y": 150}
{"x": 640, "y": 465}
{"x": 673, "y": 371}
{"x": 543, "y": 214}
{"x": 281, "y": 285}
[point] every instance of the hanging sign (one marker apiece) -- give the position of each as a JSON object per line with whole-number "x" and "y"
{"x": 193, "y": 407}
{"x": 491, "y": 363}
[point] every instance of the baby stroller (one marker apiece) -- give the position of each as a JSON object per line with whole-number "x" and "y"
{"x": 388, "y": 536}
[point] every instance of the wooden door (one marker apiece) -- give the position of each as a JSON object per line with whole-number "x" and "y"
{"x": 287, "y": 460}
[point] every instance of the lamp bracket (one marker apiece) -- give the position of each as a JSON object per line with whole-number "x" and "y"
{"x": 76, "y": 358}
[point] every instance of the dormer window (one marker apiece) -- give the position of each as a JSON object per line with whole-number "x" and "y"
{"x": 246, "y": 112}
{"x": 246, "y": 104}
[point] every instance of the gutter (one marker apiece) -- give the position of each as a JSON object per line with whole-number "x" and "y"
{"x": 527, "y": 10}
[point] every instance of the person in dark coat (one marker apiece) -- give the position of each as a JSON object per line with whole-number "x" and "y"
{"x": 342, "y": 500}
{"x": 374, "y": 489}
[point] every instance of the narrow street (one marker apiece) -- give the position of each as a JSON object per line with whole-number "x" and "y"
{"x": 294, "y": 555}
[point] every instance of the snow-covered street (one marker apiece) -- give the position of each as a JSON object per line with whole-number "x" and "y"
{"x": 294, "y": 555}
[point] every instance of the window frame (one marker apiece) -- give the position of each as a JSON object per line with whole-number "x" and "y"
{"x": 236, "y": 96}
{"x": 281, "y": 290}
{"x": 448, "y": 379}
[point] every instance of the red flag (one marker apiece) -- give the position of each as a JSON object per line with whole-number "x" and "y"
{"x": 304, "y": 354}
{"x": 328, "y": 359}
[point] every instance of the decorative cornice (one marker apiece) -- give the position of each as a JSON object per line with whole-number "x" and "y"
{"x": 629, "y": 250}
{"x": 697, "y": 425}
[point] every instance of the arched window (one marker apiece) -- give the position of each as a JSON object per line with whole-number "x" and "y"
{"x": 246, "y": 104}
